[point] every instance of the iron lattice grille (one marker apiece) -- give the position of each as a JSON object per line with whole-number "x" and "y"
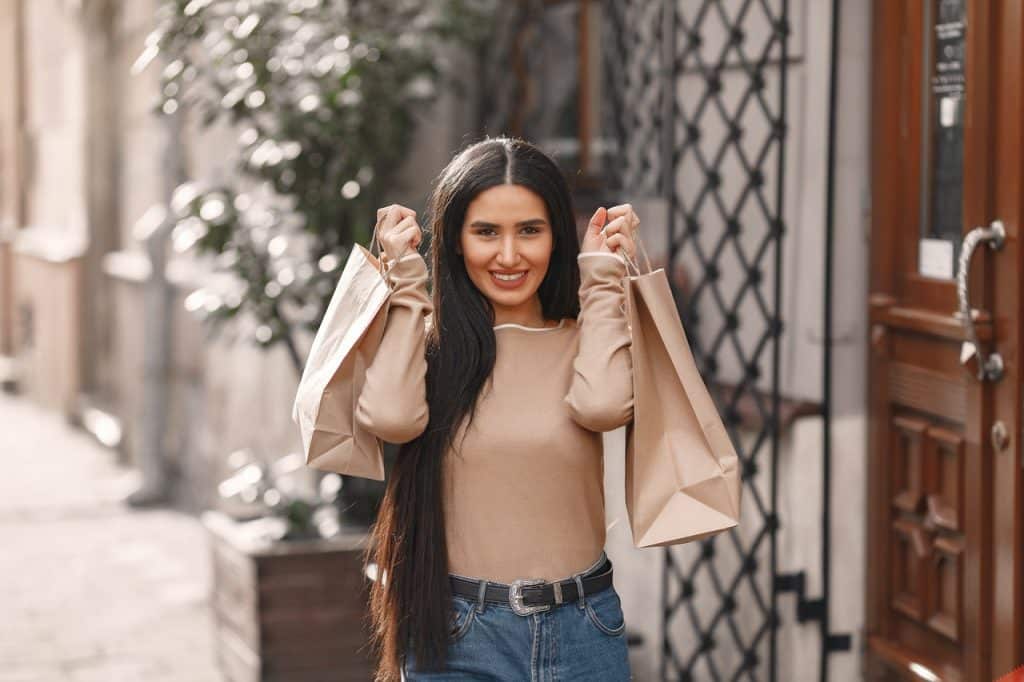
{"x": 632, "y": 124}
{"x": 716, "y": 71}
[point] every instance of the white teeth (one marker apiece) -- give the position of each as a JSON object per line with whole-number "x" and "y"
{"x": 509, "y": 278}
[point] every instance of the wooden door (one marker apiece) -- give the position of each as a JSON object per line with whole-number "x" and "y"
{"x": 944, "y": 564}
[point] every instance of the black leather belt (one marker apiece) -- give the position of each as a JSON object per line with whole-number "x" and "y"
{"x": 530, "y": 595}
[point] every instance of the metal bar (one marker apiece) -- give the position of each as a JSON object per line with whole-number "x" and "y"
{"x": 826, "y": 390}
{"x": 779, "y": 198}
{"x": 667, "y": 84}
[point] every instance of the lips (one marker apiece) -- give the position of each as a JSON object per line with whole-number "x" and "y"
{"x": 506, "y": 283}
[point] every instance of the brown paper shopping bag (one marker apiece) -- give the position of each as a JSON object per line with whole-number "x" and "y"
{"x": 344, "y": 346}
{"x": 682, "y": 473}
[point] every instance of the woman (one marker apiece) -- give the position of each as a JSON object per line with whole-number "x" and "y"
{"x": 498, "y": 389}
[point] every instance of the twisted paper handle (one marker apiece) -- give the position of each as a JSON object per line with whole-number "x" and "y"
{"x": 385, "y": 263}
{"x": 643, "y": 250}
{"x": 636, "y": 269}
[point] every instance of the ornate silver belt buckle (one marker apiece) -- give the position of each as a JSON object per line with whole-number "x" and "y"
{"x": 515, "y": 597}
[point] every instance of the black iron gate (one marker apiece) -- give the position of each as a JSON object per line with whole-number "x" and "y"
{"x": 720, "y": 134}
{"x": 694, "y": 112}
{"x": 704, "y": 125}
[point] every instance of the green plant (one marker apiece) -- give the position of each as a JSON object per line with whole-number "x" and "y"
{"x": 271, "y": 497}
{"x": 323, "y": 94}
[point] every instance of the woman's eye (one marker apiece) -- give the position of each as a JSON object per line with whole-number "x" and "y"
{"x": 487, "y": 231}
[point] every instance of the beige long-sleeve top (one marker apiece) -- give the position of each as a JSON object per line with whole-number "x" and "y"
{"x": 524, "y": 494}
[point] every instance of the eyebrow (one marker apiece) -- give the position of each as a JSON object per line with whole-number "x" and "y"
{"x": 521, "y": 223}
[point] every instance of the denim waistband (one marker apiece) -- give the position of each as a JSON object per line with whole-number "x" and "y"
{"x": 585, "y": 572}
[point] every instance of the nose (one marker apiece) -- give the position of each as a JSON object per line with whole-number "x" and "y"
{"x": 509, "y": 255}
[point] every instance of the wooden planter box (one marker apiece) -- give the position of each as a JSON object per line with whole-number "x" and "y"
{"x": 288, "y": 611}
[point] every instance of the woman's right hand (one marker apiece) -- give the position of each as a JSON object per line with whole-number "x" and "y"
{"x": 397, "y": 231}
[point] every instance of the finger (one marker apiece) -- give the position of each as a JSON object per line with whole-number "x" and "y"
{"x": 598, "y": 220}
{"x": 403, "y": 225}
{"x": 407, "y": 239}
{"x": 405, "y": 228}
{"x": 626, "y": 211}
{"x": 390, "y": 217}
{"x": 396, "y": 212}
{"x": 620, "y": 210}
{"x": 389, "y": 232}
{"x": 614, "y": 227}
{"x": 623, "y": 226}
{"x": 408, "y": 232}
{"x": 384, "y": 211}
{"x": 620, "y": 242}
{"x": 620, "y": 239}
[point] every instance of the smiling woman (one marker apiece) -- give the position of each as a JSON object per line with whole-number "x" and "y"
{"x": 506, "y": 244}
{"x": 496, "y": 496}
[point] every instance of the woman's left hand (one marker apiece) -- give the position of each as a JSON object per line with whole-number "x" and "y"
{"x": 612, "y": 231}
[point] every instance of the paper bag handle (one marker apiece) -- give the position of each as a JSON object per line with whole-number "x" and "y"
{"x": 379, "y": 255}
{"x": 629, "y": 260}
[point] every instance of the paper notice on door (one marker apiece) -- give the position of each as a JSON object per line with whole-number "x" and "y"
{"x": 935, "y": 258}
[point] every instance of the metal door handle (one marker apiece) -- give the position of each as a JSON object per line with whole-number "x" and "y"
{"x": 989, "y": 367}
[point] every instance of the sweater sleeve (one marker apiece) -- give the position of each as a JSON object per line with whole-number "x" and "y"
{"x": 393, "y": 401}
{"x": 600, "y": 396}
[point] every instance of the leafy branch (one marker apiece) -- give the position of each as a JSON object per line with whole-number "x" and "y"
{"x": 323, "y": 95}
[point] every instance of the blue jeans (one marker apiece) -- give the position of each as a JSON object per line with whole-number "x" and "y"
{"x": 580, "y": 640}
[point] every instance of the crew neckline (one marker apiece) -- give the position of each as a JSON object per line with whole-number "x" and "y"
{"x": 515, "y": 325}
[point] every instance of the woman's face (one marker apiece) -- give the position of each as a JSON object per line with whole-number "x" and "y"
{"x": 506, "y": 243}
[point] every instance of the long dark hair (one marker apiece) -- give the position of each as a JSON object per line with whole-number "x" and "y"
{"x": 410, "y": 599}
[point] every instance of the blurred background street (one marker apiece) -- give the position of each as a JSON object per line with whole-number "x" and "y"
{"x": 833, "y": 188}
{"x": 93, "y": 591}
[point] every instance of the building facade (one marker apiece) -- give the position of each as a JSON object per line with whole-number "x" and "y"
{"x": 92, "y": 327}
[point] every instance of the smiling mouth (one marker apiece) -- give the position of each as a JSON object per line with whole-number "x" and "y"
{"x": 508, "y": 276}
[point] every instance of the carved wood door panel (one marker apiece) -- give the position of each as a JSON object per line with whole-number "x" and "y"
{"x": 944, "y": 558}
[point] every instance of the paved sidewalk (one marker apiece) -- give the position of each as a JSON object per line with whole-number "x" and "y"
{"x": 90, "y": 590}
